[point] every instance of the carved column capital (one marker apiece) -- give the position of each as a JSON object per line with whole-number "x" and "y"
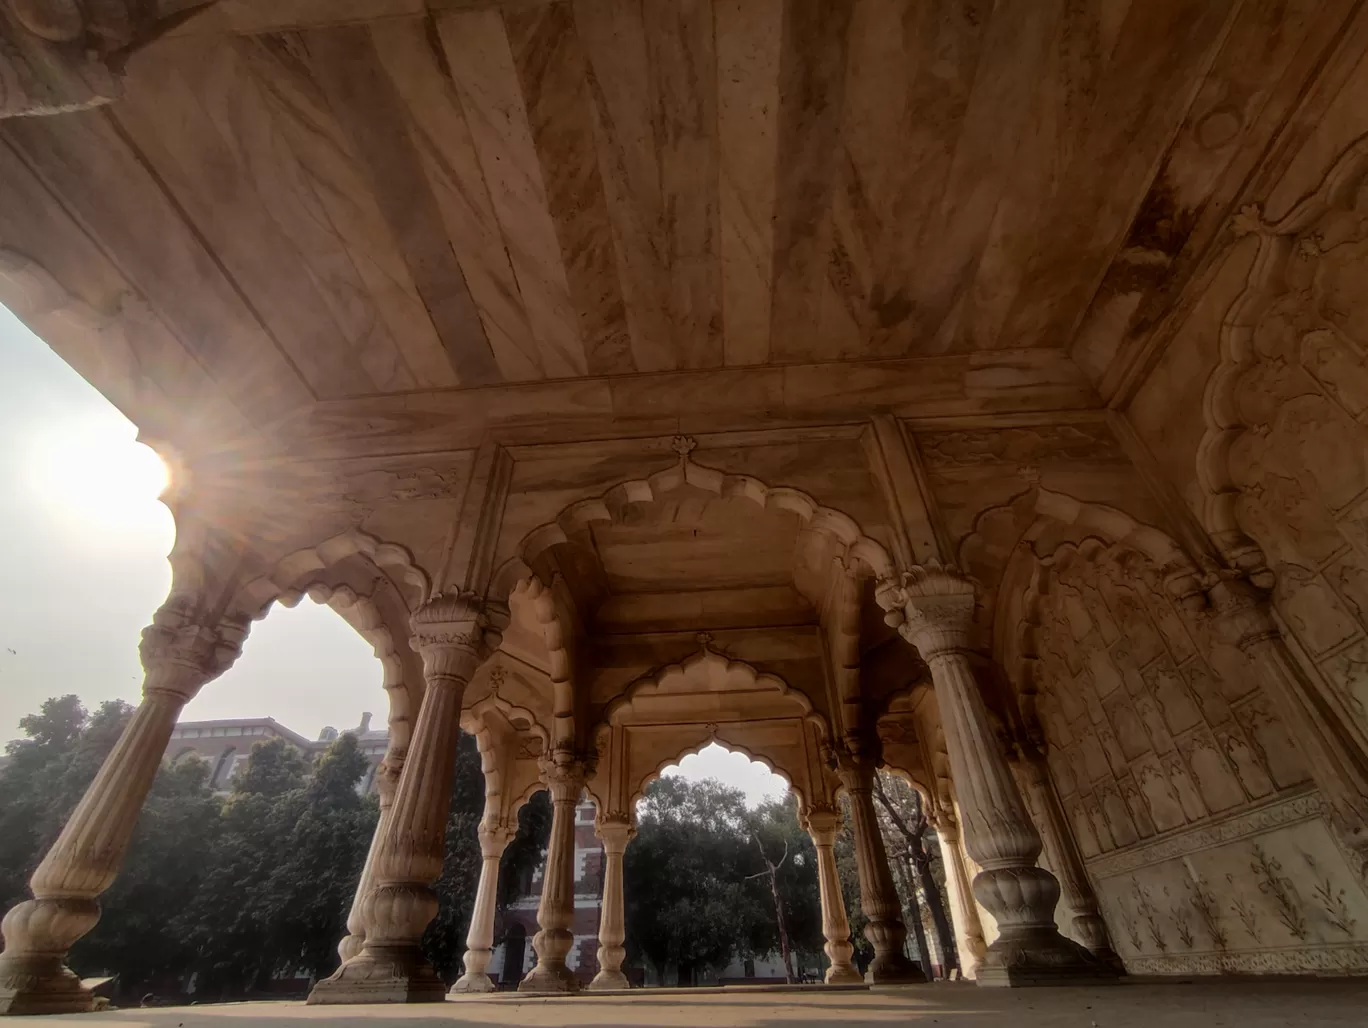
{"x": 179, "y": 653}
{"x": 495, "y": 835}
{"x": 453, "y": 635}
{"x": 823, "y": 823}
{"x": 66, "y": 55}
{"x": 615, "y": 830}
{"x": 1241, "y": 612}
{"x": 564, "y": 780}
{"x": 932, "y": 607}
{"x": 856, "y": 765}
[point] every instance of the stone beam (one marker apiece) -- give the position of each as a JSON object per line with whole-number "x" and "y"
{"x": 1003, "y": 382}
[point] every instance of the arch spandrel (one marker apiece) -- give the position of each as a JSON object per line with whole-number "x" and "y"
{"x": 513, "y": 747}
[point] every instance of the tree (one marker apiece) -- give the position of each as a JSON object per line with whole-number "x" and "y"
{"x": 795, "y": 891}
{"x": 904, "y": 824}
{"x": 706, "y": 880}
{"x": 173, "y": 845}
{"x": 687, "y": 903}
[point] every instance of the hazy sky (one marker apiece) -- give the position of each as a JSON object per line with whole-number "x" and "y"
{"x": 84, "y": 543}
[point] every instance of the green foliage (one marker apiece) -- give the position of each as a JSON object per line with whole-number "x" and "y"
{"x": 692, "y": 896}
{"x": 232, "y": 891}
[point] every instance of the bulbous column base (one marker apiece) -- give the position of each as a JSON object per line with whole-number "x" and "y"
{"x": 41, "y": 985}
{"x": 551, "y": 974}
{"x": 472, "y": 982}
{"x": 550, "y": 979}
{"x": 1040, "y": 956}
{"x": 606, "y": 981}
{"x": 890, "y": 965}
{"x": 1093, "y": 931}
{"x": 841, "y": 971}
{"x": 34, "y": 978}
{"x": 1029, "y": 949}
{"x": 382, "y": 974}
{"x": 843, "y": 976}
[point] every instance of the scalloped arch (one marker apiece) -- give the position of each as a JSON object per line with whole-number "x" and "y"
{"x": 364, "y": 615}
{"x": 1220, "y": 406}
{"x": 714, "y": 664}
{"x": 813, "y": 515}
{"x": 692, "y": 748}
{"x": 255, "y": 597}
{"x": 1182, "y": 578}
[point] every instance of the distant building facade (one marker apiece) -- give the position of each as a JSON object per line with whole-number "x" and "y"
{"x": 226, "y": 743}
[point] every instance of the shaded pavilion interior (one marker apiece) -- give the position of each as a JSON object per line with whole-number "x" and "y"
{"x": 973, "y": 389}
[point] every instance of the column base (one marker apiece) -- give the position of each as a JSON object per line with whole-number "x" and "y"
{"x": 41, "y": 985}
{"x": 606, "y": 980}
{"x": 893, "y": 969}
{"x": 843, "y": 976}
{"x": 382, "y": 975}
{"x": 550, "y": 979}
{"x": 472, "y": 983}
{"x": 1040, "y": 957}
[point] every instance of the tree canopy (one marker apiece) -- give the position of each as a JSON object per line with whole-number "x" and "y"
{"x": 693, "y": 888}
{"x": 231, "y": 892}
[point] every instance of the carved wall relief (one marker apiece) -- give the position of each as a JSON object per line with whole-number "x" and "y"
{"x": 1285, "y": 458}
{"x": 1152, "y": 733}
{"x": 1263, "y": 890}
{"x": 1189, "y": 803}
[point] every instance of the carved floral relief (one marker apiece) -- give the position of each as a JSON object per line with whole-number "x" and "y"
{"x": 1285, "y": 460}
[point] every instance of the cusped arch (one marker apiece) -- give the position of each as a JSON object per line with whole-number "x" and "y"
{"x": 511, "y": 778}
{"x": 291, "y": 574}
{"x": 401, "y": 676}
{"x": 1179, "y": 574}
{"x": 1264, "y": 284}
{"x": 608, "y": 507}
{"x": 665, "y": 715}
{"x": 688, "y": 749}
{"x": 712, "y": 672}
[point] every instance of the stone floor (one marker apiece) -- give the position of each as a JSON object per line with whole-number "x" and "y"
{"x": 1225, "y": 1004}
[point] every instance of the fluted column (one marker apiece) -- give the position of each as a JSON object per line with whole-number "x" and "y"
{"x": 178, "y": 657}
{"x": 933, "y": 609}
{"x": 450, "y": 633}
{"x": 552, "y": 943}
{"x": 388, "y": 780}
{"x": 885, "y": 931}
{"x": 615, "y": 831}
{"x": 1242, "y": 614}
{"x": 822, "y": 824}
{"x": 963, "y": 910}
{"x": 495, "y": 835}
{"x": 1067, "y": 861}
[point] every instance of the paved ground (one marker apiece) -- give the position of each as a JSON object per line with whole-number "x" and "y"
{"x": 1226, "y": 1004}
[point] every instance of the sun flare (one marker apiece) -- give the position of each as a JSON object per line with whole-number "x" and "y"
{"x": 100, "y": 474}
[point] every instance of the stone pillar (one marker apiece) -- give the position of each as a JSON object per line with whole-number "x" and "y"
{"x": 552, "y": 943}
{"x": 495, "y": 835}
{"x": 964, "y": 914}
{"x": 387, "y": 780}
{"x": 934, "y": 611}
{"x": 1066, "y": 860}
{"x": 450, "y": 633}
{"x": 178, "y": 656}
{"x": 615, "y": 831}
{"x": 822, "y": 823}
{"x": 878, "y": 897}
{"x": 1242, "y": 615}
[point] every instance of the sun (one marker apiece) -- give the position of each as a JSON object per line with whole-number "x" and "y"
{"x": 98, "y": 473}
